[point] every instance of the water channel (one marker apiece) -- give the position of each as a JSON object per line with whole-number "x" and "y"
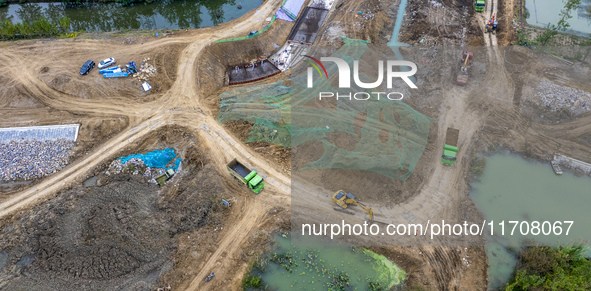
{"x": 513, "y": 188}
{"x": 294, "y": 267}
{"x": 544, "y": 12}
{"x": 167, "y": 14}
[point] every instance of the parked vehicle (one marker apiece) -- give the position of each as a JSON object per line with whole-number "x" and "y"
{"x": 106, "y": 62}
{"x": 89, "y": 65}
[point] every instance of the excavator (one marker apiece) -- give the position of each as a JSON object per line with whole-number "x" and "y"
{"x": 344, "y": 200}
{"x": 491, "y": 25}
{"x": 463, "y": 74}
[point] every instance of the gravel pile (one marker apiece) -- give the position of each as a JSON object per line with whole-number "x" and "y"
{"x": 556, "y": 97}
{"x": 31, "y": 159}
{"x": 135, "y": 166}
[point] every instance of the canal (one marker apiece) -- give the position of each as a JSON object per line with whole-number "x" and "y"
{"x": 167, "y": 14}
{"x": 515, "y": 189}
{"x": 325, "y": 266}
{"x": 544, "y": 12}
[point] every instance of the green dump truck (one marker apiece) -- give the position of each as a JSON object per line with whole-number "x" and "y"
{"x": 450, "y": 148}
{"x": 479, "y": 5}
{"x": 250, "y": 178}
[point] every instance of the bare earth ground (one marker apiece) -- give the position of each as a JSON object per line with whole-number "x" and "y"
{"x": 117, "y": 119}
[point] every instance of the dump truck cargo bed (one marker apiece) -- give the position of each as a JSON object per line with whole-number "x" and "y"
{"x": 451, "y": 137}
{"x": 250, "y": 178}
{"x": 462, "y": 79}
{"x": 240, "y": 170}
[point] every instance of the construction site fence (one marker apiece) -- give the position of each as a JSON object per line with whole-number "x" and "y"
{"x": 248, "y": 36}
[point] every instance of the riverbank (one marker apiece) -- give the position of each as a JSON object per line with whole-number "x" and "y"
{"x": 117, "y": 16}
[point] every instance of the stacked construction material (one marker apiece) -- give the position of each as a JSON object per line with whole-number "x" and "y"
{"x": 31, "y": 159}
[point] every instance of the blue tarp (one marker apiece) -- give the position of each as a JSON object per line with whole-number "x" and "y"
{"x": 291, "y": 6}
{"x": 157, "y": 159}
{"x": 115, "y": 75}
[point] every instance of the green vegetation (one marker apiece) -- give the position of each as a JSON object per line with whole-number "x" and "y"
{"x": 547, "y": 268}
{"x": 3, "y": 3}
{"x": 545, "y": 36}
{"x": 252, "y": 282}
{"x": 337, "y": 267}
{"x": 477, "y": 167}
{"x": 340, "y": 282}
{"x": 553, "y": 29}
{"x": 40, "y": 27}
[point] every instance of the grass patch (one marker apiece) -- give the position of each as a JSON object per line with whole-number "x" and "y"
{"x": 252, "y": 282}
{"x": 477, "y": 167}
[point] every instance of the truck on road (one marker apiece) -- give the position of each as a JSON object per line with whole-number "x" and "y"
{"x": 450, "y": 148}
{"x": 479, "y": 5}
{"x": 250, "y": 178}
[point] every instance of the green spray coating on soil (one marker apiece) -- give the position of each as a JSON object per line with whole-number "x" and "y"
{"x": 282, "y": 115}
{"x": 293, "y": 267}
{"x": 513, "y": 188}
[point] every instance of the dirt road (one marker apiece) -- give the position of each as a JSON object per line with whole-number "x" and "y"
{"x": 491, "y": 9}
{"x": 179, "y": 106}
{"x": 465, "y": 108}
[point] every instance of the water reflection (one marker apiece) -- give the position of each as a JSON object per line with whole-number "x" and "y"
{"x": 167, "y": 14}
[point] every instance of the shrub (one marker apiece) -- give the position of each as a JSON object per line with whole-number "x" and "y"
{"x": 252, "y": 282}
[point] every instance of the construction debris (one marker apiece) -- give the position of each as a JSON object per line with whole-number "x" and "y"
{"x": 135, "y": 166}
{"x": 145, "y": 71}
{"x": 31, "y": 159}
{"x": 556, "y": 97}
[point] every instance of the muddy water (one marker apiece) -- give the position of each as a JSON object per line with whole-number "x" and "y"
{"x": 166, "y": 14}
{"x": 313, "y": 268}
{"x": 542, "y": 12}
{"x": 515, "y": 189}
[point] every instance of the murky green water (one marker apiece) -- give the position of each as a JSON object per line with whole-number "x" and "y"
{"x": 542, "y": 12}
{"x": 515, "y": 189}
{"x": 167, "y": 14}
{"x": 292, "y": 267}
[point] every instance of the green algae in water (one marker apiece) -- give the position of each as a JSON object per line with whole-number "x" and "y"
{"x": 328, "y": 268}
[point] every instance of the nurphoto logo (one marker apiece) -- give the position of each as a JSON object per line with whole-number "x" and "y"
{"x": 344, "y": 72}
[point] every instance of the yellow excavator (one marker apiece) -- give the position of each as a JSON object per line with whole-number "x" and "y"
{"x": 343, "y": 200}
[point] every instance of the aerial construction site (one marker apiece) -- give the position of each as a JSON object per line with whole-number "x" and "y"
{"x": 231, "y": 149}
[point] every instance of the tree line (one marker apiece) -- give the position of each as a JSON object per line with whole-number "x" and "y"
{"x": 41, "y": 27}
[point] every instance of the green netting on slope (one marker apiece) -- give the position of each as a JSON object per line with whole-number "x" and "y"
{"x": 393, "y": 135}
{"x": 290, "y": 116}
{"x": 262, "y": 101}
{"x": 396, "y": 157}
{"x": 267, "y": 131}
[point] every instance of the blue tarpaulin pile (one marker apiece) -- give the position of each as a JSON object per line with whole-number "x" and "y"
{"x": 157, "y": 159}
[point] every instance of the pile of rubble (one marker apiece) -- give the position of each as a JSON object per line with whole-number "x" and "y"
{"x": 135, "y": 166}
{"x": 555, "y": 97}
{"x": 31, "y": 159}
{"x": 145, "y": 71}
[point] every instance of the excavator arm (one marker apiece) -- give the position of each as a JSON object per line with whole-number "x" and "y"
{"x": 369, "y": 210}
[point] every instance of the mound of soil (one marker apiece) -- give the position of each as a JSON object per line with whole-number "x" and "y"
{"x": 109, "y": 236}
